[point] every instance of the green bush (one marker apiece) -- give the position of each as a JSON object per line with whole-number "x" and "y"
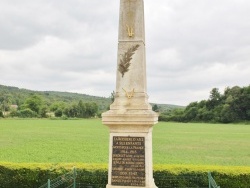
{"x": 1, "y": 113}
{"x": 58, "y": 113}
{"x": 12, "y": 113}
{"x": 196, "y": 176}
{"x": 34, "y": 175}
{"x": 26, "y": 113}
{"x": 15, "y": 175}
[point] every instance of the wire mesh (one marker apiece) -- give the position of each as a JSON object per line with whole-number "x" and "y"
{"x": 63, "y": 180}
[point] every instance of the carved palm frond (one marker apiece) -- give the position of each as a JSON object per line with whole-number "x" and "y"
{"x": 126, "y": 58}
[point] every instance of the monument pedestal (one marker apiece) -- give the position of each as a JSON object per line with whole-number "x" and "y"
{"x": 130, "y": 148}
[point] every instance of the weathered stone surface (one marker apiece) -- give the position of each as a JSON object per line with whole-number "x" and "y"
{"x": 131, "y": 99}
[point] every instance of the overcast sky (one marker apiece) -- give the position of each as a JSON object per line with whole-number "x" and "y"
{"x": 71, "y": 45}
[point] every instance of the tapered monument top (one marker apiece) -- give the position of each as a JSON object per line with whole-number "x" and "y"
{"x": 131, "y": 99}
{"x": 131, "y": 25}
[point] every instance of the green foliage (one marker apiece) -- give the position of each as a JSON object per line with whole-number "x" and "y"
{"x": 91, "y": 109}
{"x": 5, "y": 100}
{"x": 155, "y": 108}
{"x": 196, "y": 176}
{"x": 227, "y": 115}
{"x": 26, "y": 113}
{"x": 176, "y": 114}
{"x": 43, "y": 111}
{"x": 81, "y": 110}
{"x": 38, "y": 104}
{"x": 112, "y": 96}
{"x": 35, "y": 175}
{"x": 232, "y": 106}
{"x": 57, "y": 105}
{"x": 52, "y": 100}
{"x": 12, "y": 113}
{"x": 33, "y": 103}
{"x": 58, "y": 112}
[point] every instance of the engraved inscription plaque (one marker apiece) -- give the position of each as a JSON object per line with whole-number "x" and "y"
{"x": 128, "y": 161}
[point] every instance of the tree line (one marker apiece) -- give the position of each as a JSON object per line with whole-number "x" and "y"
{"x": 36, "y": 106}
{"x": 16, "y": 102}
{"x": 28, "y": 103}
{"x": 231, "y": 106}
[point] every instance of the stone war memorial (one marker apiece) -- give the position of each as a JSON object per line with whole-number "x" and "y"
{"x": 130, "y": 118}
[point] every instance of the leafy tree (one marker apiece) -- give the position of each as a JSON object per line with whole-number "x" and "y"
{"x": 233, "y": 105}
{"x": 81, "y": 109}
{"x": 176, "y": 115}
{"x": 112, "y": 96}
{"x": 155, "y": 108}
{"x": 214, "y": 98}
{"x": 215, "y": 94}
{"x": 202, "y": 104}
{"x": 91, "y": 109}
{"x": 58, "y": 113}
{"x": 43, "y": 111}
{"x": 57, "y": 105}
{"x": 241, "y": 103}
{"x": 5, "y": 101}
{"x": 190, "y": 114}
{"x": 71, "y": 111}
{"x": 13, "y": 112}
{"x": 1, "y": 114}
{"x": 26, "y": 113}
{"x": 208, "y": 116}
{"x": 234, "y": 91}
{"x": 227, "y": 114}
{"x": 34, "y": 103}
{"x": 19, "y": 96}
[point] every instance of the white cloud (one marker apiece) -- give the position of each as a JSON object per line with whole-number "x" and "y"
{"x": 192, "y": 46}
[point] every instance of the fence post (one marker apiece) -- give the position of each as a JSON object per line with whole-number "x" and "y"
{"x": 74, "y": 185}
{"x": 209, "y": 183}
{"x": 48, "y": 183}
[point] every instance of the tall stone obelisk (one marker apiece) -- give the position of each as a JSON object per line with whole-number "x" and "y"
{"x": 130, "y": 118}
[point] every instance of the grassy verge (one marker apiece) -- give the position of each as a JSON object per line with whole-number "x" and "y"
{"x": 86, "y": 141}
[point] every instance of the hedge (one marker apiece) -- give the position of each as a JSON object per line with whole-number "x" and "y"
{"x": 16, "y": 175}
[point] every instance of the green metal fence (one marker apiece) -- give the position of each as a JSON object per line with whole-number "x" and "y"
{"x": 181, "y": 181}
{"x": 211, "y": 181}
{"x": 67, "y": 180}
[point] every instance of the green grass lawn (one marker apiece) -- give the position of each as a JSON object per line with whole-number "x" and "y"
{"x": 86, "y": 141}
{"x": 203, "y": 144}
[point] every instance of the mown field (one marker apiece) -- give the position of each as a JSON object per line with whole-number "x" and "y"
{"x": 86, "y": 141}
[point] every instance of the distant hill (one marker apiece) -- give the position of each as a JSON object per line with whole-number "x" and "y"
{"x": 167, "y": 107}
{"x": 17, "y": 96}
